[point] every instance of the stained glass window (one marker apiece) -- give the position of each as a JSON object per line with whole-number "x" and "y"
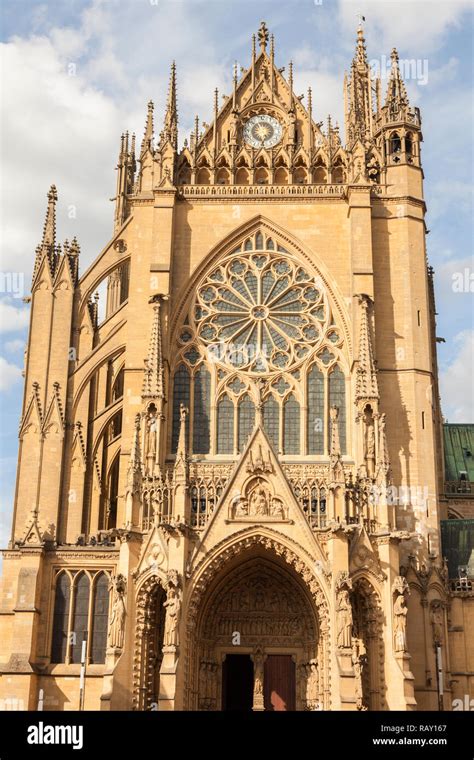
{"x": 271, "y": 421}
{"x": 315, "y": 421}
{"x": 181, "y": 390}
{"x": 264, "y": 308}
{"x": 337, "y": 397}
{"x": 246, "y": 419}
{"x": 201, "y": 411}
{"x": 291, "y": 432}
{"x": 100, "y": 616}
{"x": 225, "y": 426}
{"x": 81, "y": 614}
{"x": 61, "y": 619}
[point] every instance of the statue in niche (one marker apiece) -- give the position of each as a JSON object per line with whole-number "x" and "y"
{"x": 437, "y": 622}
{"x": 234, "y": 119}
{"x": 358, "y": 663}
{"x": 258, "y": 666}
{"x": 151, "y": 433}
{"x": 370, "y": 448}
{"x": 312, "y": 683}
{"x": 172, "y": 606}
{"x": 291, "y": 127}
{"x": 344, "y": 612}
{"x": 276, "y": 509}
{"x": 400, "y": 611}
{"x": 117, "y": 618}
{"x": 258, "y": 502}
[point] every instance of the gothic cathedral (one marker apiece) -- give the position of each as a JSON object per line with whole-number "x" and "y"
{"x": 230, "y": 474}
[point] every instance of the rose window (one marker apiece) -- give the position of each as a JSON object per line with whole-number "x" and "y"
{"x": 261, "y": 312}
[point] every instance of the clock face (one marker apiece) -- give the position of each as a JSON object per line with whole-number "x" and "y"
{"x": 262, "y": 131}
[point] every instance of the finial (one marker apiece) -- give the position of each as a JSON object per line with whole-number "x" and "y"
{"x": 216, "y": 100}
{"x": 290, "y": 81}
{"x": 394, "y": 56}
{"x": 253, "y": 46}
{"x": 263, "y": 35}
{"x": 272, "y": 46}
{"x": 235, "y": 72}
{"x": 49, "y": 229}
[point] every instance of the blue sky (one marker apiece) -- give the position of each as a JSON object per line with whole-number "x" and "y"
{"x": 76, "y": 73}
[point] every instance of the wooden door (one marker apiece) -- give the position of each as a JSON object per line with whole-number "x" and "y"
{"x": 279, "y": 682}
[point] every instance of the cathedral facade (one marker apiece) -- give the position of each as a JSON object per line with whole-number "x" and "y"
{"x": 230, "y": 476}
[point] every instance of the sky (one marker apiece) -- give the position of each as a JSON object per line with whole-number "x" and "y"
{"x": 75, "y": 74}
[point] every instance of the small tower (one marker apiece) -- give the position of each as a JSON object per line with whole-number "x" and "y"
{"x": 398, "y": 134}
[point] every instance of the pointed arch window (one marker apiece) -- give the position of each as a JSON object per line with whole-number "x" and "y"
{"x": 315, "y": 419}
{"x": 59, "y": 645}
{"x": 395, "y": 143}
{"x": 337, "y": 397}
{"x": 181, "y": 395}
{"x": 81, "y": 616}
{"x": 201, "y": 411}
{"x": 246, "y": 420}
{"x": 291, "y": 430}
{"x": 271, "y": 421}
{"x": 100, "y": 616}
{"x": 225, "y": 426}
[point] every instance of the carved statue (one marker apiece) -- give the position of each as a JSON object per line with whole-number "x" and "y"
{"x": 173, "y": 607}
{"x": 312, "y": 683}
{"x": 234, "y": 119}
{"x": 117, "y": 619}
{"x": 358, "y": 662}
{"x": 344, "y": 611}
{"x": 258, "y": 502}
{"x": 437, "y": 622}
{"x": 291, "y": 127}
{"x": 344, "y": 619}
{"x": 400, "y": 611}
{"x": 258, "y": 666}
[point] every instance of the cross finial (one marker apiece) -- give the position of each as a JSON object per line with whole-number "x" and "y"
{"x": 360, "y": 18}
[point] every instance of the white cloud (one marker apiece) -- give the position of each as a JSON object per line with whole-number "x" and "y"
{"x": 12, "y": 318}
{"x": 415, "y": 26}
{"x": 13, "y": 346}
{"x": 456, "y": 381}
{"x": 9, "y": 374}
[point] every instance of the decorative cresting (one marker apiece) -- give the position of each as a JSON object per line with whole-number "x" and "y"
{"x": 208, "y": 571}
{"x": 260, "y": 310}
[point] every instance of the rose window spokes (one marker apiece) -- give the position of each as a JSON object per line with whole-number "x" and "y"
{"x": 261, "y": 311}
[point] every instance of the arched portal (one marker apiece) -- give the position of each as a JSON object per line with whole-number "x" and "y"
{"x": 258, "y": 643}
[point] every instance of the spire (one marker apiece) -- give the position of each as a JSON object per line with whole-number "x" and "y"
{"x": 49, "y": 230}
{"x": 147, "y": 142}
{"x": 366, "y": 383}
{"x": 153, "y": 385}
{"x": 171, "y": 116}
{"x": 47, "y": 246}
{"x": 396, "y": 100}
{"x": 358, "y": 94}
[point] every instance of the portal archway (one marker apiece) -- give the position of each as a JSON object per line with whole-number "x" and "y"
{"x": 260, "y": 610}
